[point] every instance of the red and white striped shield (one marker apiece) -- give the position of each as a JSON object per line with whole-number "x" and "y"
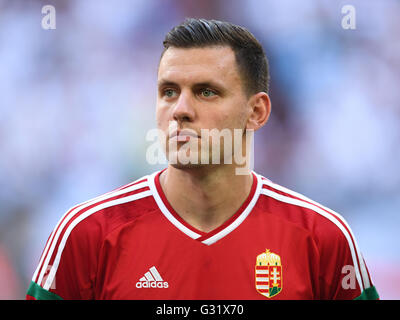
{"x": 268, "y": 274}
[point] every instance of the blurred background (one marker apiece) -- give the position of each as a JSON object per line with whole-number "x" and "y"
{"x": 77, "y": 101}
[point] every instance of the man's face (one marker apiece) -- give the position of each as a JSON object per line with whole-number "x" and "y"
{"x": 199, "y": 88}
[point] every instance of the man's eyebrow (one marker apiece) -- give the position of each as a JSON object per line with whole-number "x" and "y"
{"x": 163, "y": 83}
{"x": 211, "y": 84}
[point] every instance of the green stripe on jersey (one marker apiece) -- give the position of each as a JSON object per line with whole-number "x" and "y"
{"x": 368, "y": 294}
{"x": 39, "y": 293}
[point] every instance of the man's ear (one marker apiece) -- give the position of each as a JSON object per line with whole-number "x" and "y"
{"x": 260, "y": 110}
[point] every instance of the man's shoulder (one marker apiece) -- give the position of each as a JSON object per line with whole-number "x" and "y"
{"x": 295, "y": 208}
{"x": 107, "y": 211}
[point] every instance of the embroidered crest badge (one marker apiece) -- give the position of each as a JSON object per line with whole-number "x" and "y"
{"x": 268, "y": 273}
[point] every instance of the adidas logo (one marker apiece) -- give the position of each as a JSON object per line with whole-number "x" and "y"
{"x": 151, "y": 279}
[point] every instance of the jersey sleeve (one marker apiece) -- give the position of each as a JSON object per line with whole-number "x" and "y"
{"x": 343, "y": 273}
{"x": 67, "y": 267}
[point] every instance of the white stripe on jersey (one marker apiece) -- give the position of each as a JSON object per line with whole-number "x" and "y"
{"x": 363, "y": 268}
{"x": 54, "y": 237}
{"x": 165, "y": 211}
{"x": 303, "y": 204}
{"x": 239, "y": 219}
{"x": 83, "y": 216}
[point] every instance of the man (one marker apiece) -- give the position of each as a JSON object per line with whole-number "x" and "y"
{"x": 202, "y": 229}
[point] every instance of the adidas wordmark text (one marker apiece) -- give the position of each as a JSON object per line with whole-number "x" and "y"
{"x": 152, "y": 279}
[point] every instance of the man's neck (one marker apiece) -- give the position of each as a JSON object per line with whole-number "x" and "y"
{"x": 205, "y": 197}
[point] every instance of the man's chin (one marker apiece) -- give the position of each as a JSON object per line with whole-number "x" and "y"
{"x": 179, "y": 160}
{"x": 187, "y": 166}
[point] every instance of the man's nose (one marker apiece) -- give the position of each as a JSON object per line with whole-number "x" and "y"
{"x": 183, "y": 109}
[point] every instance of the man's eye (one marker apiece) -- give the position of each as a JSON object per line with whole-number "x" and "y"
{"x": 207, "y": 93}
{"x": 169, "y": 93}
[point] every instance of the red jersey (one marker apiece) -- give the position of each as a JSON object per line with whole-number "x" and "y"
{"x": 131, "y": 244}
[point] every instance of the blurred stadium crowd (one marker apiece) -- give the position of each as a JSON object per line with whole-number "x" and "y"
{"x": 76, "y": 103}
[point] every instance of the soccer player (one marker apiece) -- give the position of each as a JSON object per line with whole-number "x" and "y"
{"x": 204, "y": 229}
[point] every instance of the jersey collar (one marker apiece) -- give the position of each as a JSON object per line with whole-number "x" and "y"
{"x": 213, "y": 236}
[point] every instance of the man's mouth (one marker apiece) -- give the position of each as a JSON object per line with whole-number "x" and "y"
{"x": 183, "y": 135}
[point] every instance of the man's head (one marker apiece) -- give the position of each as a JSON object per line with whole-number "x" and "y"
{"x": 212, "y": 75}
{"x": 250, "y": 57}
